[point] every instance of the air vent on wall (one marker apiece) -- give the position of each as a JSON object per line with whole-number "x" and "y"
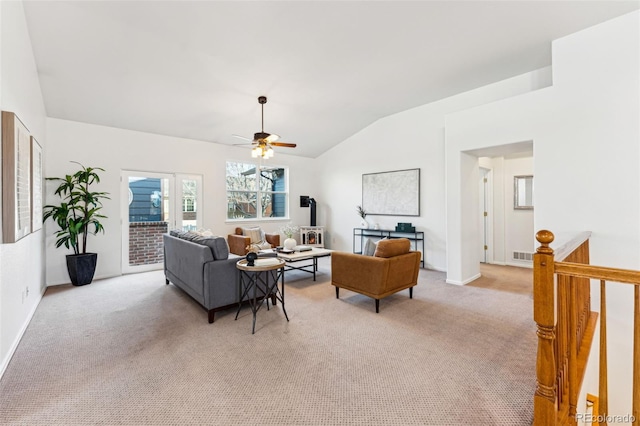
{"x": 522, "y": 255}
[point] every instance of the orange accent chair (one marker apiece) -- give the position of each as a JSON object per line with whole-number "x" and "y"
{"x": 392, "y": 268}
{"x": 239, "y": 241}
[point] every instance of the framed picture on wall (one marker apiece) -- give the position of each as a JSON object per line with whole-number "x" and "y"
{"x": 16, "y": 178}
{"x": 395, "y": 193}
{"x": 36, "y": 185}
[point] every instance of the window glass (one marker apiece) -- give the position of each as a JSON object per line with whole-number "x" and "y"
{"x": 252, "y": 195}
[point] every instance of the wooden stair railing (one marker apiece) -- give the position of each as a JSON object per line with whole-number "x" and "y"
{"x": 565, "y": 329}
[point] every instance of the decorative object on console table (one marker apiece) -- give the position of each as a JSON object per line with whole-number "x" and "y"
{"x": 312, "y": 236}
{"x": 405, "y": 227}
{"x": 288, "y": 231}
{"x": 363, "y": 214}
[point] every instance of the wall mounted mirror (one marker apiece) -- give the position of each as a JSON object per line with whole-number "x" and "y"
{"x": 523, "y": 192}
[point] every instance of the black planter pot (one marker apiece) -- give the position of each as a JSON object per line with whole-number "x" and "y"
{"x": 81, "y": 267}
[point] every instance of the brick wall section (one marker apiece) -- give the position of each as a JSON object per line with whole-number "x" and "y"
{"x": 145, "y": 242}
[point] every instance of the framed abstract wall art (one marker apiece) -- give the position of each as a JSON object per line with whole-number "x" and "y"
{"x": 395, "y": 193}
{"x": 16, "y": 178}
{"x": 36, "y": 185}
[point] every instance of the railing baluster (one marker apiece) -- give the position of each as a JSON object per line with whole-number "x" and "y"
{"x": 636, "y": 355}
{"x": 603, "y": 403}
{"x": 562, "y": 340}
{"x": 573, "y": 349}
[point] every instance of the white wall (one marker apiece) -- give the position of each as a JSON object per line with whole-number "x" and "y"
{"x": 585, "y": 131}
{"x": 118, "y": 149}
{"x": 21, "y": 263}
{"x": 410, "y": 139}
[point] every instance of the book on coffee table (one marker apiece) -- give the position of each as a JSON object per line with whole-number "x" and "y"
{"x": 303, "y": 248}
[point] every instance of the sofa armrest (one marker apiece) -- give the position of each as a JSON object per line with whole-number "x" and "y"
{"x": 238, "y": 244}
{"x": 273, "y": 239}
{"x": 403, "y": 271}
{"x": 364, "y": 274}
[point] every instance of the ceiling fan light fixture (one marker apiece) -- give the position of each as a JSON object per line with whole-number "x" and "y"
{"x": 263, "y": 151}
{"x": 269, "y": 153}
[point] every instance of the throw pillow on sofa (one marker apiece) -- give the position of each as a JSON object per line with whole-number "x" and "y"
{"x": 257, "y": 237}
{"x": 369, "y": 247}
{"x": 254, "y": 234}
{"x": 218, "y": 245}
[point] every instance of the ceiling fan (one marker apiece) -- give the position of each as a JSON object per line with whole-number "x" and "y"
{"x": 262, "y": 141}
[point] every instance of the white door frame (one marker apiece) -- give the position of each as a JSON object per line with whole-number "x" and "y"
{"x": 486, "y": 223}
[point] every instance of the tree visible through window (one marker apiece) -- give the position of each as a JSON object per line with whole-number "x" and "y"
{"x": 252, "y": 195}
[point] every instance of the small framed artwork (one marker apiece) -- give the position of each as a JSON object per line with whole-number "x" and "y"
{"x": 36, "y": 185}
{"x": 16, "y": 178}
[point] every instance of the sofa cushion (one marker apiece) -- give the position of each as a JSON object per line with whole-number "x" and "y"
{"x": 218, "y": 245}
{"x": 392, "y": 247}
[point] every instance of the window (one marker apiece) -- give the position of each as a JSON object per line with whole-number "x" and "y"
{"x": 189, "y": 195}
{"x": 252, "y": 195}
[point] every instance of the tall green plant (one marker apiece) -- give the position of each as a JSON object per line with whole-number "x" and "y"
{"x": 77, "y": 215}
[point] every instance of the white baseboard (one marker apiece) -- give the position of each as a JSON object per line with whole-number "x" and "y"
{"x": 16, "y": 342}
{"x": 467, "y": 281}
{"x": 520, "y": 265}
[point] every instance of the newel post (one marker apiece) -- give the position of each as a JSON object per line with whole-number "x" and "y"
{"x": 544, "y": 314}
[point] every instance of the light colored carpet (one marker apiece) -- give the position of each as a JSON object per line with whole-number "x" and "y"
{"x": 131, "y": 350}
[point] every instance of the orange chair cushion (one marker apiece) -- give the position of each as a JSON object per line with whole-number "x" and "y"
{"x": 391, "y": 248}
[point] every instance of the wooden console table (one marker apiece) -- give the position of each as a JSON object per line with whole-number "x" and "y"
{"x": 417, "y": 238}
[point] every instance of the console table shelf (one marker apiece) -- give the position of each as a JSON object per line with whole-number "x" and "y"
{"x": 417, "y": 238}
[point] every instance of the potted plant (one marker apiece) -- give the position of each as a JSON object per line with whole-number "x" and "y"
{"x": 78, "y": 215}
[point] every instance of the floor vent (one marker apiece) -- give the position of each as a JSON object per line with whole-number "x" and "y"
{"x": 522, "y": 255}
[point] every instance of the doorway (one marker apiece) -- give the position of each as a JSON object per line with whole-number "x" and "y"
{"x": 152, "y": 204}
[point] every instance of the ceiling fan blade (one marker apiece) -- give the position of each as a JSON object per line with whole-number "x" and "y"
{"x": 242, "y": 137}
{"x": 285, "y": 144}
{"x": 272, "y": 138}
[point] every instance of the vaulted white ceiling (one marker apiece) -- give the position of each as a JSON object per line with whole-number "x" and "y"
{"x": 194, "y": 69}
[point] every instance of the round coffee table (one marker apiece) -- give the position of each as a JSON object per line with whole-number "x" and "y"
{"x": 263, "y": 277}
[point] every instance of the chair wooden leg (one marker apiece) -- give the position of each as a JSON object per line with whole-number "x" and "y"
{"x": 377, "y": 306}
{"x": 211, "y": 314}
{"x": 410, "y": 292}
{"x": 337, "y": 292}
{"x": 166, "y": 281}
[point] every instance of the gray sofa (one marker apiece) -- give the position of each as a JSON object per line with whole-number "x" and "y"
{"x": 203, "y": 268}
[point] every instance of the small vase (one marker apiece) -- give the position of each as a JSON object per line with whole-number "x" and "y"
{"x": 290, "y": 243}
{"x": 364, "y": 224}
